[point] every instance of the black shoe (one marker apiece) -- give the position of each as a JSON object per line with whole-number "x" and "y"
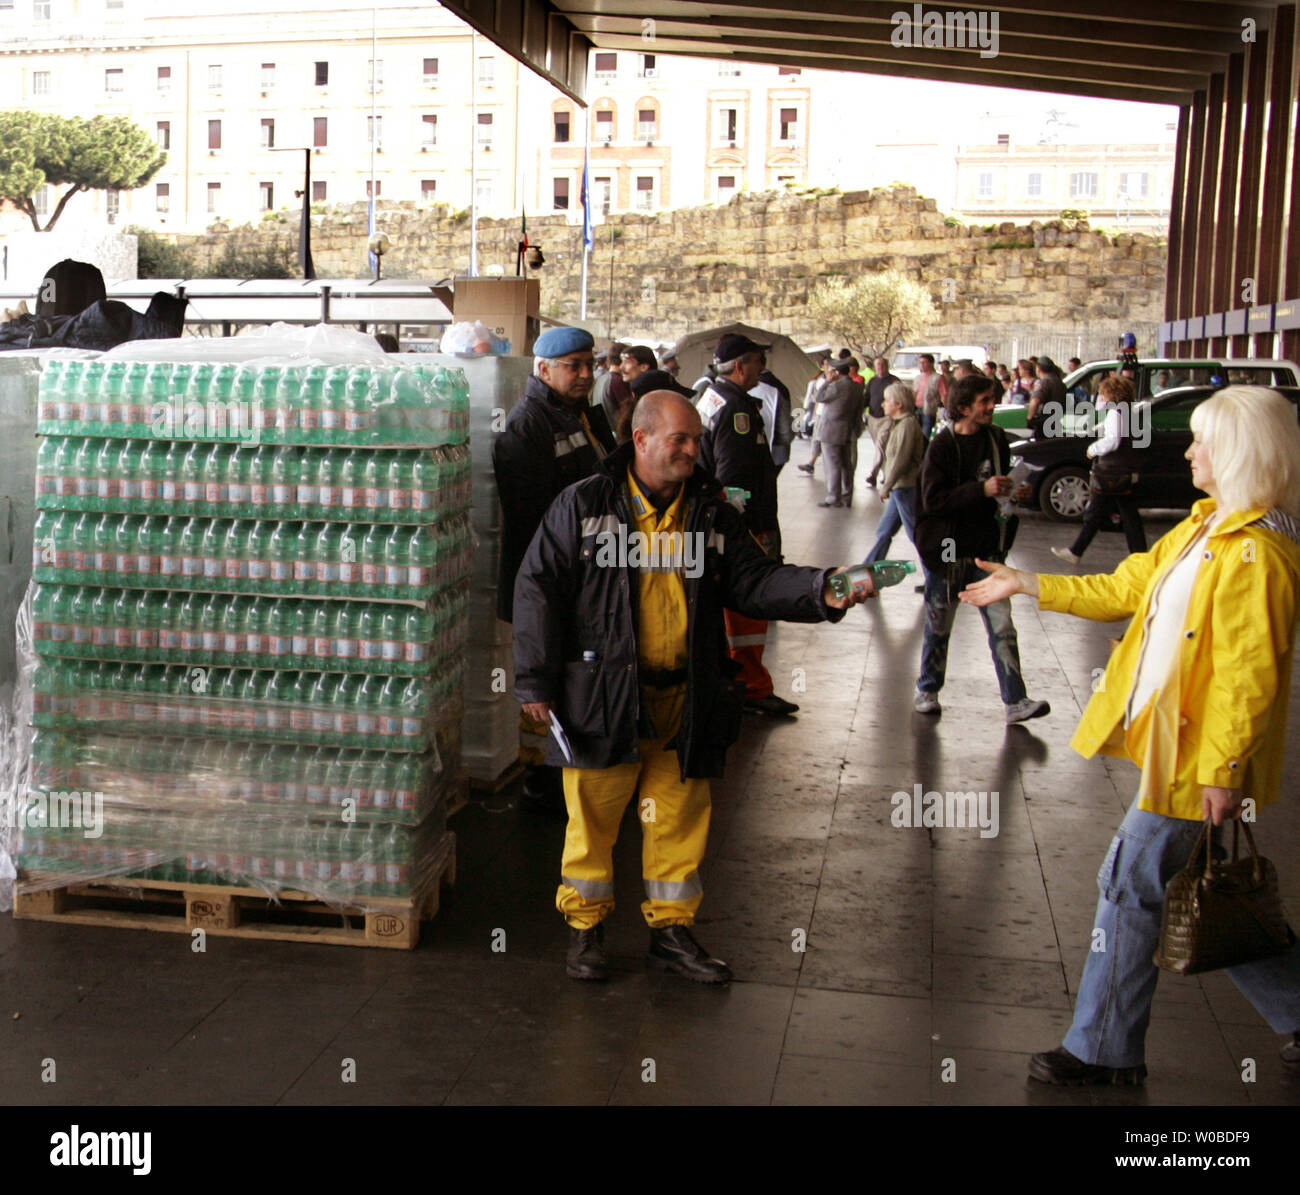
{"x": 543, "y": 793}
{"x": 1291, "y": 1055}
{"x": 674, "y": 949}
{"x": 805, "y": 468}
{"x": 586, "y": 958}
{"x": 771, "y": 704}
{"x": 1063, "y": 1069}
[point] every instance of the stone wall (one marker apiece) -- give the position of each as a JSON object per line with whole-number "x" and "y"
{"x": 1043, "y": 286}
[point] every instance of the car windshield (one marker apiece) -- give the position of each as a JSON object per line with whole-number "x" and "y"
{"x": 906, "y": 361}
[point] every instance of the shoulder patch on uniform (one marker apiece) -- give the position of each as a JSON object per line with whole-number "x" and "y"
{"x": 740, "y": 421}
{"x": 709, "y": 405}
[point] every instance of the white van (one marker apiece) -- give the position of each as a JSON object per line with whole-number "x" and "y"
{"x": 906, "y": 364}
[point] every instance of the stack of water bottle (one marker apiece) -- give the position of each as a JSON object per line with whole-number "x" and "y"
{"x": 250, "y": 623}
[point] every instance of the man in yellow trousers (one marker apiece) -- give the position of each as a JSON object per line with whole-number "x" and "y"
{"x": 620, "y": 645}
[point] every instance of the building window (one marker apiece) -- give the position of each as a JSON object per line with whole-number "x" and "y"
{"x": 1133, "y": 184}
{"x": 112, "y": 205}
{"x": 647, "y": 126}
{"x": 268, "y": 76}
{"x": 375, "y": 75}
{"x": 1083, "y": 185}
{"x": 214, "y": 134}
{"x": 1034, "y": 185}
{"x": 560, "y": 194}
{"x": 214, "y": 198}
{"x": 647, "y": 68}
{"x": 41, "y": 10}
{"x": 318, "y": 190}
{"x": 320, "y": 131}
{"x": 163, "y": 134}
{"x": 726, "y": 187}
{"x": 322, "y": 74}
{"x": 377, "y": 185}
{"x": 40, "y": 82}
{"x": 268, "y": 134}
{"x": 428, "y": 132}
{"x": 789, "y": 121}
{"x": 265, "y": 196}
{"x": 430, "y": 72}
{"x": 114, "y": 4}
{"x": 561, "y": 127}
{"x": 483, "y": 192}
{"x": 428, "y": 190}
{"x": 164, "y": 78}
{"x": 605, "y": 125}
{"x": 1004, "y": 138}
{"x": 606, "y": 65}
{"x": 789, "y": 70}
{"x": 645, "y": 193}
{"x": 375, "y": 131}
{"x": 985, "y": 188}
{"x": 728, "y": 70}
{"x": 41, "y": 201}
{"x": 487, "y": 70}
{"x": 113, "y": 78}
{"x": 485, "y": 130}
{"x": 604, "y": 190}
{"x": 163, "y": 196}
{"x": 214, "y": 77}
{"x": 726, "y": 127}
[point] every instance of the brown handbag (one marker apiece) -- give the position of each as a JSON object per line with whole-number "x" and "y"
{"x": 1222, "y": 914}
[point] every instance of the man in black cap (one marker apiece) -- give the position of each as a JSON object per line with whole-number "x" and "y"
{"x": 551, "y": 439}
{"x": 735, "y": 450}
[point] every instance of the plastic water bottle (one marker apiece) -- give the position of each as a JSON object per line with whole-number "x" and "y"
{"x": 234, "y": 556}
{"x": 216, "y": 491}
{"x": 883, "y": 573}
{"x": 284, "y": 482}
{"x": 416, "y": 630}
{"x": 151, "y": 468}
{"x": 397, "y": 561}
{"x": 81, "y": 556}
{"x": 237, "y": 462}
{"x": 420, "y": 553}
{"x": 326, "y": 550}
{"x": 147, "y": 550}
{"x": 214, "y": 553}
{"x": 400, "y": 485}
{"x": 326, "y": 477}
{"x": 278, "y": 637}
{"x": 284, "y": 540}
{"x": 288, "y": 404}
{"x": 352, "y": 493}
{"x": 358, "y": 416}
{"x": 424, "y": 486}
{"x": 372, "y": 561}
{"x": 169, "y": 626}
{"x": 259, "y": 480}
{"x": 312, "y": 406}
{"x": 332, "y": 408}
{"x": 257, "y": 552}
{"x": 169, "y": 552}
{"x": 304, "y": 566}
{"x": 370, "y": 643}
{"x": 349, "y": 546}
{"x": 343, "y": 632}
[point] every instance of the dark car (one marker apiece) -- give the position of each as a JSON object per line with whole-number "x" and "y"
{"x": 1058, "y": 464}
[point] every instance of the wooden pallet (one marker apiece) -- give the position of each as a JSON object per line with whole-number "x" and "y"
{"x": 458, "y": 793}
{"x": 126, "y": 903}
{"x": 513, "y": 771}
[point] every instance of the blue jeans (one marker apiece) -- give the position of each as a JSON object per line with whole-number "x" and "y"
{"x": 927, "y": 424}
{"x": 1114, "y": 1004}
{"x": 900, "y": 511}
{"x": 942, "y": 585}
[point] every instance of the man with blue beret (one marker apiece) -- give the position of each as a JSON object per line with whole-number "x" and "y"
{"x": 551, "y": 439}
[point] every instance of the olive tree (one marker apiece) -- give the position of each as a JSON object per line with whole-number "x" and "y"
{"x": 872, "y": 312}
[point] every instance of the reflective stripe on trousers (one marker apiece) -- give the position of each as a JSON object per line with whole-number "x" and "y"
{"x": 746, "y": 638}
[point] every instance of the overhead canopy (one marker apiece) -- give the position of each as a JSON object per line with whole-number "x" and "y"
{"x": 786, "y": 359}
{"x": 1157, "y": 51}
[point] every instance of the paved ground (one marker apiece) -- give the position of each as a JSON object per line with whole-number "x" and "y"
{"x": 930, "y": 955}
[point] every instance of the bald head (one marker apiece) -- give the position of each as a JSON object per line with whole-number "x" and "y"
{"x": 651, "y": 409}
{"x": 666, "y": 433}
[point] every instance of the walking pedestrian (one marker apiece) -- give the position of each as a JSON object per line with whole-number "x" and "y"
{"x": 838, "y": 422}
{"x": 931, "y": 393}
{"x": 877, "y": 421}
{"x": 904, "y": 449}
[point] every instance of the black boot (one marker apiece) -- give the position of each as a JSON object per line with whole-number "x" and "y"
{"x": 674, "y": 949}
{"x": 586, "y": 958}
{"x": 543, "y": 793}
{"x": 1063, "y": 1069}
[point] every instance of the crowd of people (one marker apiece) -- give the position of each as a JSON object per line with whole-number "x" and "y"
{"x": 636, "y": 665}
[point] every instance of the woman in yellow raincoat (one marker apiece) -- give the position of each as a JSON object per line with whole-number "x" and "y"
{"x": 1195, "y": 695}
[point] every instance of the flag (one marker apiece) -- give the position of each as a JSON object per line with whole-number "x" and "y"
{"x": 370, "y": 231}
{"x": 523, "y": 227}
{"x": 588, "y": 232}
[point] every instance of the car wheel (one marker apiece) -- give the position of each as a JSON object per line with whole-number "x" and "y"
{"x": 1064, "y": 494}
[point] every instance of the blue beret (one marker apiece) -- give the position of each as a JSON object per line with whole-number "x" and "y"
{"x": 558, "y": 342}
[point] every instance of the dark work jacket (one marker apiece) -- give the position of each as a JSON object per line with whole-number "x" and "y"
{"x": 541, "y": 450}
{"x": 735, "y": 450}
{"x": 567, "y": 604}
{"x": 954, "y": 506}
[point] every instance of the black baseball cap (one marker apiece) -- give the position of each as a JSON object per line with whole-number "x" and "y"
{"x": 734, "y": 345}
{"x": 659, "y": 379}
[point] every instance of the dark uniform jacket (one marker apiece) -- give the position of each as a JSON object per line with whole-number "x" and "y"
{"x": 735, "y": 450}
{"x": 541, "y": 450}
{"x": 956, "y": 519}
{"x": 841, "y": 411}
{"x": 567, "y": 604}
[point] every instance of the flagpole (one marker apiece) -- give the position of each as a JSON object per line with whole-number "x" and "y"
{"x": 473, "y": 153}
{"x": 586, "y": 214}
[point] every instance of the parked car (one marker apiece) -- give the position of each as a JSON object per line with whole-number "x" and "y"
{"x": 1058, "y": 465}
{"x": 1158, "y": 375}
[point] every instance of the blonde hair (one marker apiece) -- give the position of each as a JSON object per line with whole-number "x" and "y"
{"x": 1254, "y": 443}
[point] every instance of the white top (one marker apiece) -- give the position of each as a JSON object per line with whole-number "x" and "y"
{"x": 1163, "y": 630}
{"x": 1111, "y": 428}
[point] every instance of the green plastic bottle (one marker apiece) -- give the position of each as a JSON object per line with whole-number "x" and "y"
{"x": 125, "y": 539}
{"x": 304, "y": 561}
{"x": 237, "y": 463}
{"x": 322, "y": 635}
{"x": 169, "y": 627}
{"x": 258, "y": 551}
{"x": 326, "y": 551}
{"x": 284, "y": 540}
{"x": 191, "y": 477}
{"x": 259, "y": 481}
{"x": 328, "y": 467}
{"x": 358, "y": 414}
{"x": 390, "y": 634}
{"x": 191, "y": 550}
{"x": 79, "y": 614}
{"x": 214, "y": 551}
{"x": 343, "y": 632}
{"x": 288, "y": 405}
{"x": 300, "y": 632}
{"x": 151, "y": 469}
{"x": 81, "y": 557}
{"x": 308, "y": 465}
{"x": 210, "y": 620}
{"x": 104, "y": 538}
{"x": 284, "y": 482}
{"x": 255, "y": 615}
{"x": 148, "y": 549}
{"x": 352, "y": 491}
{"x": 278, "y": 636}
{"x": 375, "y": 486}
{"x": 372, "y": 561}
{"x": 216, "y": 490}
{"x": 332, "y": 410}
{"x": 370, "y": 641}
{"x": 312, "y": 406}
{"x": 235, "y": 556}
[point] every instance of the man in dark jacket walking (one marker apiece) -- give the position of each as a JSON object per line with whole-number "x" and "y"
{"x": 841, "y": 409}
{"x": 965, "y": 492}
{"x": 551, "y": 439}
{"x": 735, "y": 449}
{"x": 619, "y": 637}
